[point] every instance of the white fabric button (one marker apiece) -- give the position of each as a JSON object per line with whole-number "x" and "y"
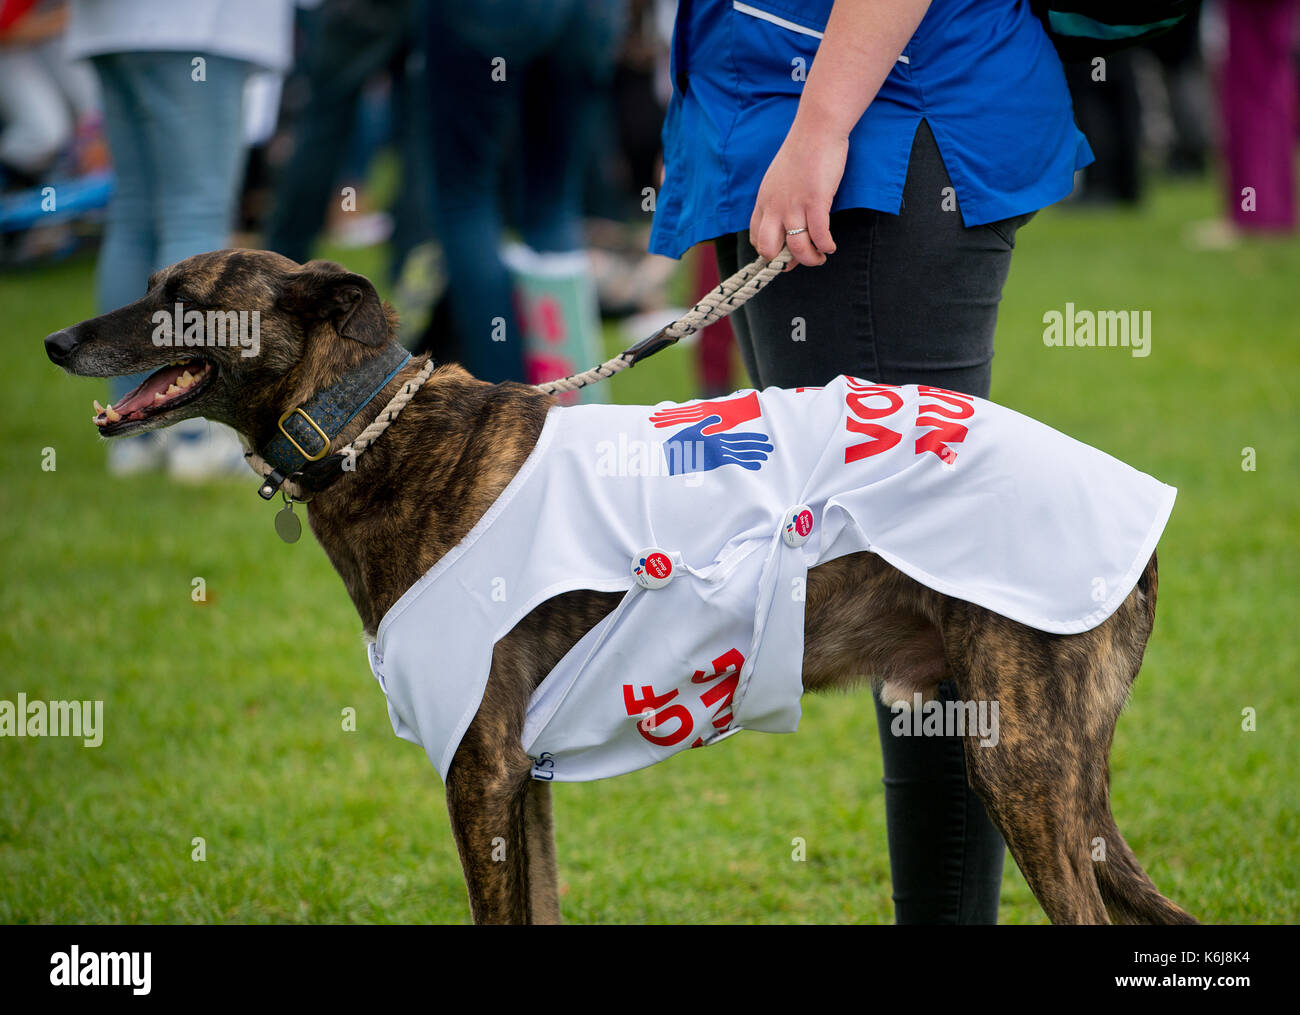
{"x": 652, "y": 568}
{"x": 797, "y": 525}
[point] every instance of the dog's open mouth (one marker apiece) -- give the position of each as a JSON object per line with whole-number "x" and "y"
{"x": 166, "y": 389}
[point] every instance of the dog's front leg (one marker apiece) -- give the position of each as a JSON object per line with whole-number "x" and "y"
{"x": 486, "y": 797}
{"x": 500, "y": 816}
{"x": 539, "y": 834}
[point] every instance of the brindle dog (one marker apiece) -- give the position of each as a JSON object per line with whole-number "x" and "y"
{"x": 417, "y": 492}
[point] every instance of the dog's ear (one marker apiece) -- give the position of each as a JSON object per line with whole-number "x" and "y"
{"x": 324, "y": 290}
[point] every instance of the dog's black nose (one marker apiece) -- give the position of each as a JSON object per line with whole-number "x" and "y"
{"x": 59, "y": 346}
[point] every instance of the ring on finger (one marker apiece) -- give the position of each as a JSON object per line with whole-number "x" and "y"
{"x": 796, "y": 232}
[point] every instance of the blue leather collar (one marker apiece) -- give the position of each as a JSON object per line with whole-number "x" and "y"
{"x": 306, "y": 430}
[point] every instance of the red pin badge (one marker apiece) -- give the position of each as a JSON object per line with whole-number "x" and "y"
{"x": 652, "y": 568}
{"x": 798, "y": 525}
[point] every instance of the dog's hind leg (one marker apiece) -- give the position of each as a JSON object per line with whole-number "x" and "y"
{"x": 1028, "y": 790}
{"x": 1042, "y": 765}
{"x": 1046, "y": 781}
{"x": 539, "y": 833}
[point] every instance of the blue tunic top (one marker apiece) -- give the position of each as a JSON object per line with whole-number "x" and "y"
{"x": 981, "y": 72}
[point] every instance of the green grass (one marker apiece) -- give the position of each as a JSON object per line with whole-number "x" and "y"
{"x": 223, "y": 719}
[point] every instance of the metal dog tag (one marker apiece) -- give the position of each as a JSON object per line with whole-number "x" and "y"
{"x": 287, "y": 524}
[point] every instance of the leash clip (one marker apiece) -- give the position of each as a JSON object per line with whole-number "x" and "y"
{"x": 649, "y": 346}
{"x": 274, "y": 480}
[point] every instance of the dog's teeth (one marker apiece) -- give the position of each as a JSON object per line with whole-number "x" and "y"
{"x": 113, "y": 416}
{"x": 186, "y": 379}
{"x": 99, "y": 409}
{"x": 159, "y": 397}
{"x": 172, "y": 389}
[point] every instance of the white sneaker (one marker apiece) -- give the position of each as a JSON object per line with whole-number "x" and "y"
{"x": 198, "y": 450}
{"x": 130, "y": 456}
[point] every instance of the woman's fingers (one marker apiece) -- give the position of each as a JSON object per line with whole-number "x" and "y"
{"x": 770, "y": 237}
{"x": 809, "y": 242}
{"x": 819, "y": 229}
{"x": 802, "y": 248}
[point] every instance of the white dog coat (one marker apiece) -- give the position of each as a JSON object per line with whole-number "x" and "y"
{"x": 708, "y": 515}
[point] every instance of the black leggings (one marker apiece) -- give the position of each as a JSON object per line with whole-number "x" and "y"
{"x": 906, "y": 299}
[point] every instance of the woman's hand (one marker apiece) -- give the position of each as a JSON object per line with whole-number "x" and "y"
{"x": 862, "y": 41}
{"x": 796, "y": 192}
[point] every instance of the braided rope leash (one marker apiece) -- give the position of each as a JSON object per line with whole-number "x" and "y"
{"x": 729, "y": 296}
{"x": 726, "y": 299}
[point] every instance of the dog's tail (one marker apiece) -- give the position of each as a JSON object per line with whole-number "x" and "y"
{"x": 1129, "y": 894}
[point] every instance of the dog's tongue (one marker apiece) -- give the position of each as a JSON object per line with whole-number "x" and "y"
{"x": 157, "y": 390}
{"x": 155, "y": 384}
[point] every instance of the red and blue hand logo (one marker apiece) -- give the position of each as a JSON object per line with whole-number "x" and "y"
{"x": 710, "y": 443}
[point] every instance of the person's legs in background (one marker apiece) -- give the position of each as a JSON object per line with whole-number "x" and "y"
{"x": 1183, "y": 68}
{"x": 1259, "y": 114}
{"x": 1109, "y": 112}
{"x": 195, "y": 132}
{"x": 411, "y": 223}
{"x": 563, "y": 99}
{"x": 476, "y": 60}
{"x": 908, "y": 298}
{"x": 127, "y": 254}
{"x": 198, "y": 173}
{"x": 347, "y": 43}
{"x": 562, "y": 104}
{"x": 178, "y": 150}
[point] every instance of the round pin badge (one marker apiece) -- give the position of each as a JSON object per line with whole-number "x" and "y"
{"x": 652, "y": 568}
{"x": 798, "y": 525}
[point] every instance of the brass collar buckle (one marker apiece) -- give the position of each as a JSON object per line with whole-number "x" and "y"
{"x": 325, "y": 440}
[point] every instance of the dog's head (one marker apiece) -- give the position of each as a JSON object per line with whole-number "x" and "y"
{"x": 233, "y": 335}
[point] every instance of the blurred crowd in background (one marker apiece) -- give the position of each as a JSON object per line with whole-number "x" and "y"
{"x": 505, "y": 153}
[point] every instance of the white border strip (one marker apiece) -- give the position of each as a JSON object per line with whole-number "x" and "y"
{"x": 766, "y": 16}
{"x": 741, "y": 8}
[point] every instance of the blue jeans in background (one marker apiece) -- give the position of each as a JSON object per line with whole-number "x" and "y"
{"x": 178, "y": 154}
{"x": 336, "y": 133}
{"x": 528, "y": 136}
